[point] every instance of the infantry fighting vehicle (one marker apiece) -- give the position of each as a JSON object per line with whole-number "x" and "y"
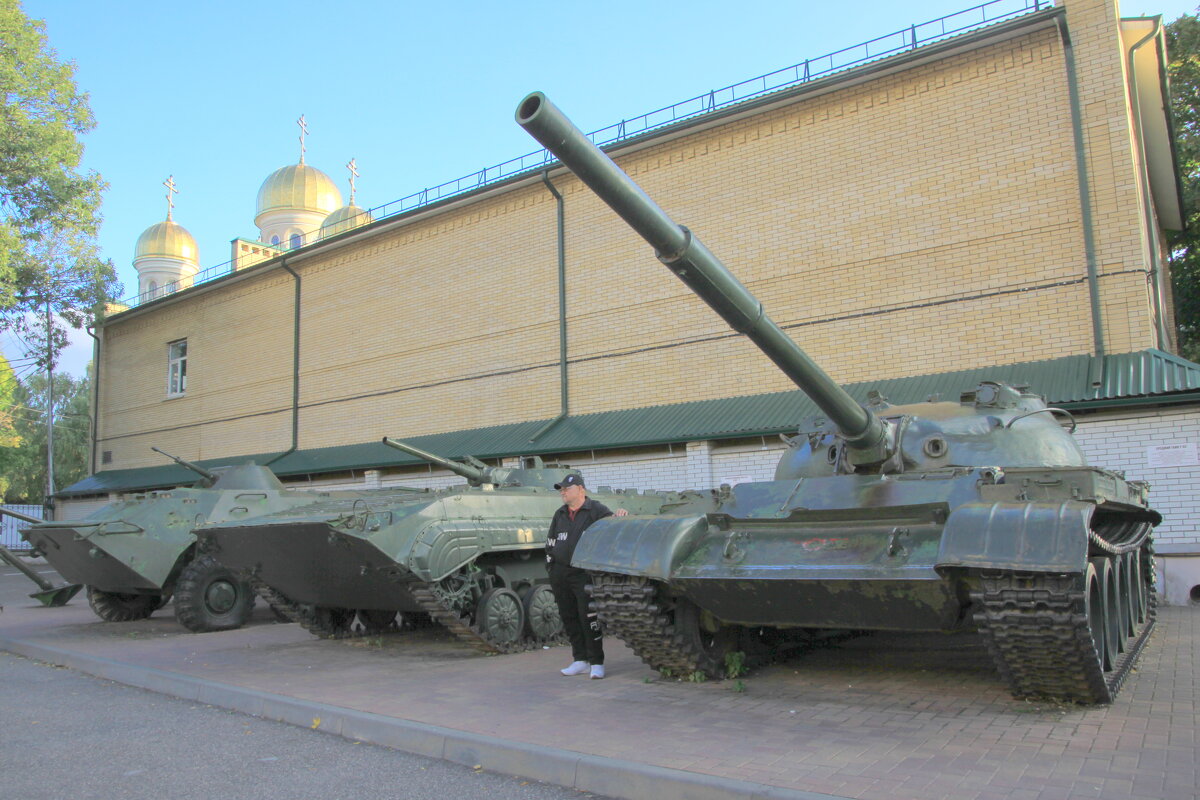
{"x": 937, "y": 516}
{"x": 135, "y": 554}
{"x": 470, "y": 558}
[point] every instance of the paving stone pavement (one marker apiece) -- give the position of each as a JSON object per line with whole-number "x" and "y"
{"x": 884, "y": 716}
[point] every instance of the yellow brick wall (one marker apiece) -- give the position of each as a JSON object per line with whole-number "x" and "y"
{"x": 920, "y": 222}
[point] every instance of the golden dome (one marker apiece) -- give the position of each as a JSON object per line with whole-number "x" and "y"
{"x": 298, "y": 188}
{"x": 166, "y": 239}
{"x": 346, "y": 218}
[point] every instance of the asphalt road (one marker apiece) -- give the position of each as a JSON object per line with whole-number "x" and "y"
{"x": 68, "y": 734}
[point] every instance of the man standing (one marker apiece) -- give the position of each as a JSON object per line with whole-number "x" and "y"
{"x": 581, "y": 624}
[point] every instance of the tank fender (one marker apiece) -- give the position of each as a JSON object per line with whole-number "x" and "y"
{"x": 649, "y": 546}
{"x": 1038, "y": 537}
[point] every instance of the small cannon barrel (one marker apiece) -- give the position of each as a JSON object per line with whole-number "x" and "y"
{"x": 697, "y": 267}
{"x": 193, "y": 467}
{"x": 20, "y": 516}
{"x": 472, "y": 474}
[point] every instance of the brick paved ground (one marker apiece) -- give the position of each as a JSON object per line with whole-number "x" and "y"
{"x": 885, "y": 716}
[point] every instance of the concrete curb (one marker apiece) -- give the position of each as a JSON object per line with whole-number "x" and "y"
{"x": 607, "y": 776}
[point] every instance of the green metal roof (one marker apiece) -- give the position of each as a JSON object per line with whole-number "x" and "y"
{"x": 1146, "y": 377}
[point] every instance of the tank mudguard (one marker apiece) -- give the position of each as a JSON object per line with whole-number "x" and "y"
{"x": 648, "y": 546}
{"x": 1038, "y": 537}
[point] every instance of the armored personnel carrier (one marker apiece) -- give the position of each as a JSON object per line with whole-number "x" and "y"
{"x": 135, "y": 554}
{"x": 939, "y": 516}
{"x": 470, "y": 558}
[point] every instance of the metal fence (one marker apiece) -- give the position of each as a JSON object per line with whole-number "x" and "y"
{"x": 914, "y": 36}
{"x": 10, "y": 525}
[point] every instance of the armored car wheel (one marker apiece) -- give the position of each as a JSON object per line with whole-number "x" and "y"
{"x": 500, "y": 615}
{"x": 118, "y": 607}
{"x": 209, "y": 597}
{"x": 542, "y": 620}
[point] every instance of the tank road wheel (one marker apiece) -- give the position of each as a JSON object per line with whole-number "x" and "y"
{"x": 116, "y": 607}
{"x": 209, "y": 597}
{"x": 1112, "y": 631}
{"x": 542, "y": 621}
{"x": 1094, "y": 588}
{"x": 327, "y": 622}
{"x": 500, "y": 615}
{"x": 374, "y": 620}
{"x": 1139, "y": 587}
{"x": 707, "y": 640}
{"x": 1128, "y": 601}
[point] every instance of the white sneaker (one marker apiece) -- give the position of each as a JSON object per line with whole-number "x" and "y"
{"x": 578, "y": 668}
{"x": 597, "y": 671}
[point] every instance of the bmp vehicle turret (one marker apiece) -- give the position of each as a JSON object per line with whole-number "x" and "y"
{"x": 135, "y": 554}
{"x": 938, "y": 516}
{"x": 470, "y": 558}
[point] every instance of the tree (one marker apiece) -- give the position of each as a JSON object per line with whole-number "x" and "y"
{"x": 9, "y": 439}
{"x": 49, "y": 210}
{"x": 1183, "y": 50}
{"x": 25, "y": 464}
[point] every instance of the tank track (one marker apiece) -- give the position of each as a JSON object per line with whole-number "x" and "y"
{"x": 629, "y": 609}
{"x": 1035, "y": 627}
{"x": 307, "y": 616}
{"x": 460, "y": 624}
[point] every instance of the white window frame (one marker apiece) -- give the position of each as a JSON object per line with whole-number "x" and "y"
{"x": 177, "y": 368}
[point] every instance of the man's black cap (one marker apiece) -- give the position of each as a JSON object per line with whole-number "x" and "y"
{"x": 570, "y": 480}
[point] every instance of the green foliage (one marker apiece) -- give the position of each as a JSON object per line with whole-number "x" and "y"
{"x": 1183, "y": 50}
{"x": 739, "y": 686}
{"x": 735, "y": 664}
{"x": 697, "y": 677}
{"x": 666, "y": 672}
{"x": 24, "y": 465}
{"x": 49, "y": 210}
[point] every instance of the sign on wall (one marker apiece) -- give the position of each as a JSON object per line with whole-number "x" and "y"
{"x": 1171, "y": 455}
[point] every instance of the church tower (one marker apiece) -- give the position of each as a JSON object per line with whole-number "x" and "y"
{"x": 293, "y": 202}
{"x": 165, "y": 257}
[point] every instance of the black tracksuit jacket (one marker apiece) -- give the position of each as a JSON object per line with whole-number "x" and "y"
{"x": 565, "y": 532}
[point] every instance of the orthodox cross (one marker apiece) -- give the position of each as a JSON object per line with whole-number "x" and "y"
{"x": 303, "y": 132}
{"x": 353, "y": 167}
{"x": 170, "y": 184}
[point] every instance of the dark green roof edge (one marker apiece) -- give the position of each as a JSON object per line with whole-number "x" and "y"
{"x": 1147, "y": 377}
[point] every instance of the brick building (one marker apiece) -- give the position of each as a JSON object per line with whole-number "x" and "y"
{"x": 985, "y": 204}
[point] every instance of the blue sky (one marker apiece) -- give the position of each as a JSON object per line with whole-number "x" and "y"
{"x": 417, "y": 93}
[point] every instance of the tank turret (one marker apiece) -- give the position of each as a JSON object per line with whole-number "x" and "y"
{"x": 480, "y": 474}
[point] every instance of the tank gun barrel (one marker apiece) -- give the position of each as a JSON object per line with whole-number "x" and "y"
{"x": 472, "y": 474}
{"x": 193, "y": 467}
{"x": 702, "y": 271}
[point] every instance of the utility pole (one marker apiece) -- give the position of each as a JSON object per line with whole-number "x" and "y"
{"x": 49, "y": 503}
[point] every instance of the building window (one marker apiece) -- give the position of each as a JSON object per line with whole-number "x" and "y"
{"x": 294, "y": 241}
{"x": 275, "y": 241}
{"x": 152, "y": 289}
{"x": 177, "y": 368}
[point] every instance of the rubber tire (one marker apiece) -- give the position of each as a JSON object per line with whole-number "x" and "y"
{"x": 501, "y": 616}
{"x": 116, "y": 607}
{"x": 195, "y": 606}
{"x": 542, "y": 620}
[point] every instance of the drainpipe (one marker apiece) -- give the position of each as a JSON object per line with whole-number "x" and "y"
{"x": 1156, "y": 270}
{"x": 1096, "y": 369}
{"x": 562, "y": 311}
{"x": 295, "y": 368}
{"x": 95, "y": 420}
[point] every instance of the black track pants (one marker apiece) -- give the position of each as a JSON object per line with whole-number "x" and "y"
{"x": 581, "y": 625}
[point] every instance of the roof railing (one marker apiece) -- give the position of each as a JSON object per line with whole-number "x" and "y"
{"x": 906, "y": 39}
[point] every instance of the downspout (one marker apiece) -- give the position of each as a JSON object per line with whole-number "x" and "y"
{"x": 95, "y": 420}
{"x": 562, "y": 310}
{"x": 1096, "y": 369}
{"x": 295, "y": 368}
{"x": 1156, "y": 271}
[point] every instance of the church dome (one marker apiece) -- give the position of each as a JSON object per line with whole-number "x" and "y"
{"x": 166, "y": 239}
{"x": 298, "y": 187}
{"x": 346, "y": 218}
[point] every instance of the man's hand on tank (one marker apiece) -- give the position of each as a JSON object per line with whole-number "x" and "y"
{"x": 621, "y": 512}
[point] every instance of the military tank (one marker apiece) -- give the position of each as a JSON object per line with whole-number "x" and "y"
{"x": 135, "y": 554}
{"x": 980, "y": 515}
{"x": 470, "y": 558}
